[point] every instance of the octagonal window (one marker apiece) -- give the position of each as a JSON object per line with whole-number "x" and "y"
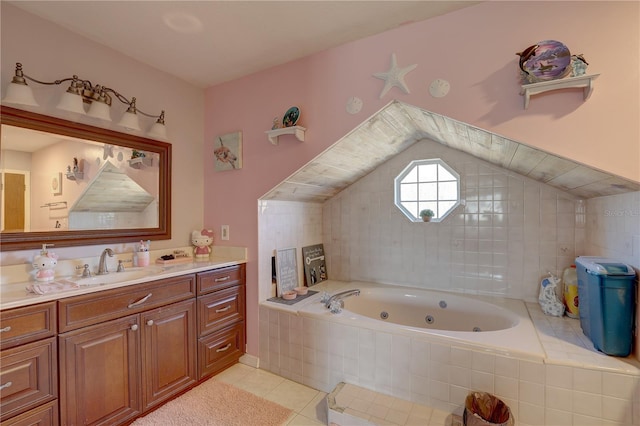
{"x": 427, "y": 185}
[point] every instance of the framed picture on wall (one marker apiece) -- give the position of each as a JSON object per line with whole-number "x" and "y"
{"x": 286, "y": 270}
{"x": 56, "y": 183}
{"x": 315, "y": 265}
{"x": 227, "y": 152}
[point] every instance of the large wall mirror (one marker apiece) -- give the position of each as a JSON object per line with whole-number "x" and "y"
{"x": 72, "y": 184}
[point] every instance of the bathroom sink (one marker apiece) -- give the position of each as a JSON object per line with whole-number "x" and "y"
{"x": 117, "y": 277}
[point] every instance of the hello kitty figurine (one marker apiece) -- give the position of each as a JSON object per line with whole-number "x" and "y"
{"x": 202, "y": 241}
{"x": 45, "y": 264}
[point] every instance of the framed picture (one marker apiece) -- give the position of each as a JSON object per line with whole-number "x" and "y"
{"x": 286, "y": 270}
{"x": 227, "y": 152}
{"x": 56, "y": 183}
{"x": 315, "y": 265}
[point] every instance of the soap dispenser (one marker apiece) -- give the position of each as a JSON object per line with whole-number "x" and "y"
{"x": 45, "y": 263}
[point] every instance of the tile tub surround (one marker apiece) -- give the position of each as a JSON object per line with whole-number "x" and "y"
{"x": 511, "y": 232}
{"x": 565, "y": 391}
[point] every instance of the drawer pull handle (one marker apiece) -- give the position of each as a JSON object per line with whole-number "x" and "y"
{"x": 150, "y": 322}
{"x": 6, "y": 385}
{"x": 139, "y": 302}
{"x": 225, "y": 348}
{"x": 223, "y": 309}
{"x": 222, "y": 279}
{"x": 134, "y": 327}
{"x": 7, "y": 328}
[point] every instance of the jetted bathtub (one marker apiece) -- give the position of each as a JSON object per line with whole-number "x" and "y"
{"x": 498, "y": 324}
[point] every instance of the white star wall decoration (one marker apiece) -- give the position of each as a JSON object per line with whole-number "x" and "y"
{"x": 394, "y": 77}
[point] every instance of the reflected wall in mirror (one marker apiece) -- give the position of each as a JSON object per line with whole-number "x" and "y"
{"x": 69, "y": 184}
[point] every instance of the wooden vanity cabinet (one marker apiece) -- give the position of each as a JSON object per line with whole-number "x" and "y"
{"x": 221, "y": 319}
{"x": 28, "y": 365}
{"x": 121, "y": 352}
{"x": 112, "y": 371}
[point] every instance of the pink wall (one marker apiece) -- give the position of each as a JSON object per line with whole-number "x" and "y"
{"x": 474, "y": 49}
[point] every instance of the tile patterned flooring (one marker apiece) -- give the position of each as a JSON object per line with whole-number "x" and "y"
{"x": 310, "y": 405}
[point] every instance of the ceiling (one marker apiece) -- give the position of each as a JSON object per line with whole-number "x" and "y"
{"x": 28, "y": 140}
{"x": 398, "y": 126}
{"x": 209, "y": 42}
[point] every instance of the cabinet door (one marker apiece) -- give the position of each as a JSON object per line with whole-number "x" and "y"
{"x": 99, "y": 373}
{"x": 168, "y": 351}
{"x": 27, "y": 377}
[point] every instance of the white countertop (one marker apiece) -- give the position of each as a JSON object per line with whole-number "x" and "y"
{"x": 13, "y": 295}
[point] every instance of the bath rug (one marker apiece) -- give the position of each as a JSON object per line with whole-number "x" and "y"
{"x": 291, "y": 302}
{"x": 215, "y": 403}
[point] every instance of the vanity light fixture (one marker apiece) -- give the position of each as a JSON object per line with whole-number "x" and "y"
{"x": 80, "y": 92}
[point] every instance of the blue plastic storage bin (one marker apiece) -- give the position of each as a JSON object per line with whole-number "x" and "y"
{"x": 606, "y": 294}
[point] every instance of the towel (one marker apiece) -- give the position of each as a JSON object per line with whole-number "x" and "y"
{"x": 52, "y": 287}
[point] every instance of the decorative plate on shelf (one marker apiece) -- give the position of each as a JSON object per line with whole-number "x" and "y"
{"x": 546, "y": 60}
{"x": 291, "y": 117}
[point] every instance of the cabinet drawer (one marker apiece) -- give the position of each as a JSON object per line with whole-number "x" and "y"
{"x": 220, "y": 350}
{"x": 28, "y": 377}
{"x": 220, "y": 309}
{"x": 89, "y": 309}
{"x": 27, "y": 324}
{"x": 44, "y": 415}
{"x": 220, "y": 278}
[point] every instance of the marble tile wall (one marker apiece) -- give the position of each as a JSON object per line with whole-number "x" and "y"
{"x": 510, "y": 233}
{"x": 614, "y": 227}
{"x": 284, "y": 224}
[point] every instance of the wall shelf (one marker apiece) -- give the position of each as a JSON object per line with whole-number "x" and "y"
{"x": 274, "y": 134}
{"x": 584, "y": 82}
{"x": 139, "y": 162}
{"x": 75, "y": 175}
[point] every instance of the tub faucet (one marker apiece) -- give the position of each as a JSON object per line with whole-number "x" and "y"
{"x": 102, "y": 266}
{"x": 335, "y": 303}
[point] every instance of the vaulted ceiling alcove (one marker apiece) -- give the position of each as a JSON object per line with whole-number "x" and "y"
{"x": 398, "y": 126}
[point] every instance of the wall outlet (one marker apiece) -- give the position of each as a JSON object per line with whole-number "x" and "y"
{"x": 224, "y": 233}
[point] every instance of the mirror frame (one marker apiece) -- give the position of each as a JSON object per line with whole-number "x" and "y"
{"x": 34, "y": 240}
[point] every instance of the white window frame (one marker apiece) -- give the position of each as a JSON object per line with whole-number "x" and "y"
{"x": 442, "y": 207}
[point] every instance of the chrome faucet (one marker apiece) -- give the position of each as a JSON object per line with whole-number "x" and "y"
{"x": 336, "y": 302}
{"x": 102, "y": 266}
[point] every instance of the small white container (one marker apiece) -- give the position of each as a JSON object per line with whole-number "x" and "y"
{"x": 142, "y": 258}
